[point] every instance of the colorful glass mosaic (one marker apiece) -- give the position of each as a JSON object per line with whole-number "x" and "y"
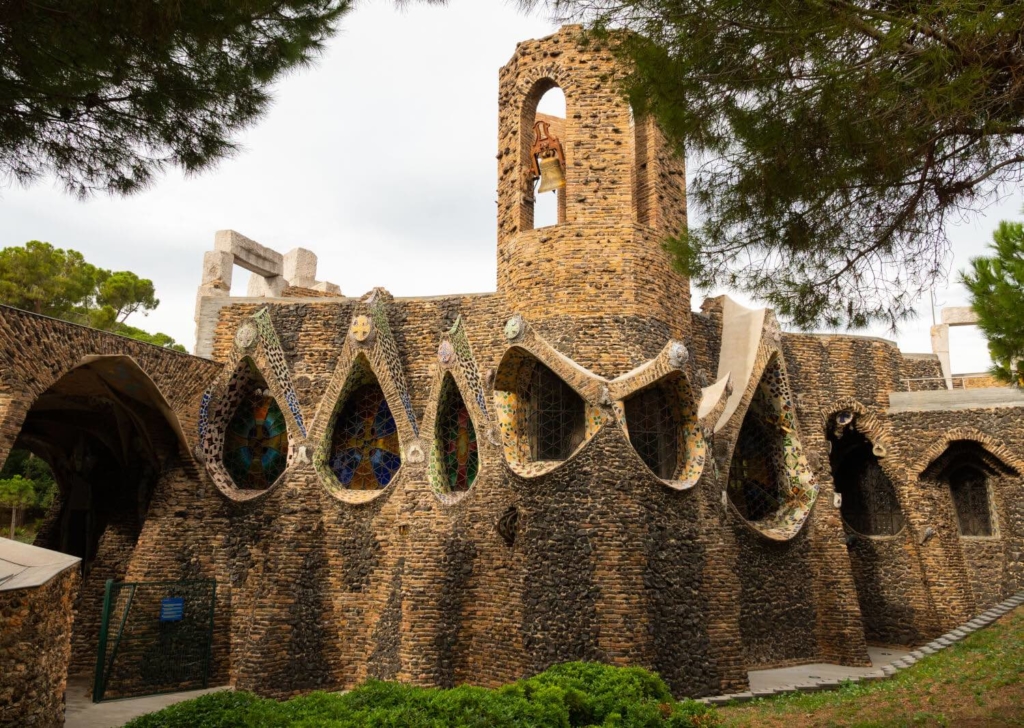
{"x": 458, "y": 456}
{"x": 256, "y": 441}
{"x": 365, "y": 453}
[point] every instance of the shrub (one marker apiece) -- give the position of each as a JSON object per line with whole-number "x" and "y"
{"x": 571, "y": 695}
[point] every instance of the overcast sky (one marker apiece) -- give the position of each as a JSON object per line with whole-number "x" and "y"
{"x": 381, "y": 160}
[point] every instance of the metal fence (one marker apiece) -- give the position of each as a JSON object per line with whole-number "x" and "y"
{"x": 155, "y": 637}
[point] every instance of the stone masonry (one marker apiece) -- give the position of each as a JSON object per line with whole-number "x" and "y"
{"x": 587, "y": 555}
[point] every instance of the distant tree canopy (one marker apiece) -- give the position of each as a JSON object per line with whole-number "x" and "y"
{"x": 835, "y": 138}
{"x": 996, "y": 286}
{"x": 105, "y": 93}
{"x": 60, "y": 283}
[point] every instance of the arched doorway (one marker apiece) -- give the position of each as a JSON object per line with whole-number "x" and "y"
{"x": 108, "y": 434}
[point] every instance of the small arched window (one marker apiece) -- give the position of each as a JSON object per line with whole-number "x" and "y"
{"x": 654, "y": 430}
{"x": 968, "y": 486}
{"x": 869, "y": 503}
{"x": 556, "y": 423}
{"x": 544, "y": 207}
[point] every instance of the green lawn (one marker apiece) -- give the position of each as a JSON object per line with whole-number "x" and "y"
{"x": 976, "y": 682}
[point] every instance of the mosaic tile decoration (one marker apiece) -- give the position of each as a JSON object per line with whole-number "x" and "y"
{"x": 390, "y": 358}
{"x": 275, "y": 355}
{"x": 513, "y": 408}
{"x": 365, "y": 454}
{"x": 257, "y": 353}
{"x": 245, "y": 446}
{"x": 256, "y": 442}
{"x": 204, "y": 414}
{"x": 373, "y": 361}
{"x": 457, "y": 416}
{"x": 665, "y": 413}
{"x": 466, "y": 363}
{"x": 666, "y": 377}
{"x": 770, "y": 483}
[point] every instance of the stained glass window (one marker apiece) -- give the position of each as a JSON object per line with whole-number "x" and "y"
{"x": 456, "y": 436}
{"x": 969, "y": 489}
{"x": 869, "y": 502}
{"x": 256, "y": 442}
{"x": 757, "y": 473}
{"x": 653, "y": 430}
{"x": 555, "y": 416}
{"x": 364, "y": 445}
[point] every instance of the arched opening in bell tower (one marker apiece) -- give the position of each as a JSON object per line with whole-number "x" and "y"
{"x": 543, "y": 125}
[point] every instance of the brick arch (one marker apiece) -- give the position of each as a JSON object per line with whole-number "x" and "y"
{"x": 995, "y": 447}
{"x": 871, "y": 426}
{"x": 30, "y": 363}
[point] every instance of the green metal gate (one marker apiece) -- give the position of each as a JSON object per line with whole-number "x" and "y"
{"x": 155, "y": 637}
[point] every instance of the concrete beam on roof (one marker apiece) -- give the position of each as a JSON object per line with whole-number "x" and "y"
{"x": 249, "y": 254}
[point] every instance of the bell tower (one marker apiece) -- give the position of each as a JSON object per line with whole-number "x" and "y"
{"x": 601, "y": 267}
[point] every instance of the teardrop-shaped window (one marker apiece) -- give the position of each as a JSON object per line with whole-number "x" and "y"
{"x": 256, "y": 441}
{"x": 365, "y": 453}
{"x": 455, "y": 439}
{"x": 759, "y": 476}
{"x": 652, "y": 419}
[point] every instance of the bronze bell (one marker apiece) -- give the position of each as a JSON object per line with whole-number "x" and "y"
{"x": 552, "y": 176}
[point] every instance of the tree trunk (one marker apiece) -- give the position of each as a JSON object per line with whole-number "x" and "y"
{"x": 14, "y": 515}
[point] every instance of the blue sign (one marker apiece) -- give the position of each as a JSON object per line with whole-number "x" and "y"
{"x": 172, "y": 609}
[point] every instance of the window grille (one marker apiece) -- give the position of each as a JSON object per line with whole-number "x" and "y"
{"x": 456, "y": 439}
{"x": 555, "y": 416}
{"x": 653, "y": 430}
{"x": 870, "y": 505}
{"x": 757, "y": 473}
{"x": 969, "y": 488}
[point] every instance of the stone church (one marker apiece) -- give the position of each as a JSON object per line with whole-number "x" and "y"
{"x": 471, "y": 488}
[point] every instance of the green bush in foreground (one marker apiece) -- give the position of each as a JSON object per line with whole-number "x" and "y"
{"x": 572, "y": 695}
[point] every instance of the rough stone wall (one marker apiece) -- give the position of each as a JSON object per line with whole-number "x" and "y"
{"x": 35, "y": 352}
{"x": 910, "y": 587}
{"x": 35, "y": 645}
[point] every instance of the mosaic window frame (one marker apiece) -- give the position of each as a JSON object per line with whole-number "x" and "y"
{"x": 870, "y": 504}
{"x": 455, "y": 457}
{"x": 222, "y": 402}
{"x": 371, "y": 457}
{"x": 770, "y": 484}
{"x": 513, "y": 412}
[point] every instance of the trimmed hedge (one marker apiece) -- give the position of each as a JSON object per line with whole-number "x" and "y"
{"x": 571, "y": 695}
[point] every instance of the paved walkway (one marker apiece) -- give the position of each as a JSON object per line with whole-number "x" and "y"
{"x": 83, "y": 713}
{"x": 764, "y": 680}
